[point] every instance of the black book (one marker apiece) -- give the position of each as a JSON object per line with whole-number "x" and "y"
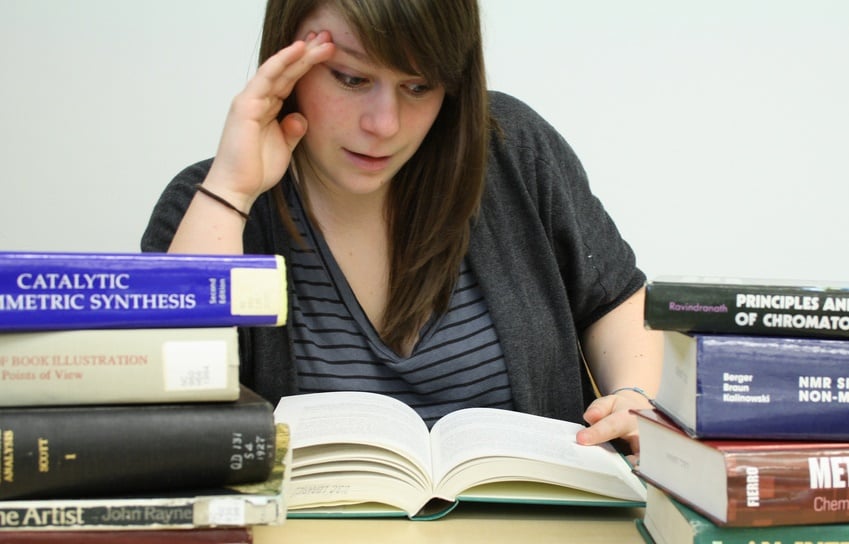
{"x": 105, "y": 450}
{"x": 748, "y": 306}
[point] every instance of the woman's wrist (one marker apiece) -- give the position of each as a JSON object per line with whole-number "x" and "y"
{"x": 634, "y": 389}
{"x": 221, "y": 200}
{"x": 222, "y": 182}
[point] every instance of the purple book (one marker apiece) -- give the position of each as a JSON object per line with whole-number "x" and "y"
{"x": 46, "y": 290}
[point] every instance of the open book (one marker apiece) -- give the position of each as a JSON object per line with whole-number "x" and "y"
{"x": 371, "y": 455}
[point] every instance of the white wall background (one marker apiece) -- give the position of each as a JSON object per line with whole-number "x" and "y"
{"x": 714, "y": 131}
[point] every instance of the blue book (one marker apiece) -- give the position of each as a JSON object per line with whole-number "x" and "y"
{"x": 756, "y": 387}
{"x": 53, "y": 290}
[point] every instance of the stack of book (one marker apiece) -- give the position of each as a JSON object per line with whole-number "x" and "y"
{"x": 121, "y": 412}
{"x": 748, "y": 440}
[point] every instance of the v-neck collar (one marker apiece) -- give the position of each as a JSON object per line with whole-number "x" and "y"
{"x": 346, "y": 294}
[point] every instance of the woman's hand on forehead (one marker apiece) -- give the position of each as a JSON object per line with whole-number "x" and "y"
{"x": 282, "y": 70}
{"x": 255, "y": 150}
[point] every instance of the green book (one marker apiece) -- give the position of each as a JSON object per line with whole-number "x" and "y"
{"x": 358, "y": 454}
{"x": 667, "y": 521}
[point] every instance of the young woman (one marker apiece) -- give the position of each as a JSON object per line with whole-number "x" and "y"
{"x": 442, "y": 242}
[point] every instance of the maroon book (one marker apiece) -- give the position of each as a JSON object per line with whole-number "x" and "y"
{"x": 746, "y": 483}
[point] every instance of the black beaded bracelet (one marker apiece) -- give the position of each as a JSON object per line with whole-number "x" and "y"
{"x": 222, "y": 201}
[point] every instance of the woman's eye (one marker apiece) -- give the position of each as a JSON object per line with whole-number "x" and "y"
{"x": 352, "y": 82}
{"x": 418, "y": 89}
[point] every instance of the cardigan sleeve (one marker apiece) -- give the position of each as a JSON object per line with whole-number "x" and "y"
{"x": 265, "y": 352}
{"x": 171, "y": 206}
{"x": 597, "y": 266}
{"x": 549, "y": 259}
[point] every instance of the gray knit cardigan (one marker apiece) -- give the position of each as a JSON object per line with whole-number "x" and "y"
{"x": 549, "y": 259}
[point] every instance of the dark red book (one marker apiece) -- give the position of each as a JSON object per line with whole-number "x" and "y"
{"x": 746, "y": 483}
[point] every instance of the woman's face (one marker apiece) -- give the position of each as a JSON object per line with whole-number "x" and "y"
{"x": 364, "y": 120}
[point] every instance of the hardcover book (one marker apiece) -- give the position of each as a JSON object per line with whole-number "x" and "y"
{"x": 668, "y": 521}
{"x": 363, "y": 454}
{"x": 748, "y": 306}
{"x": 756, "y": 387}
{"x": 219, "y": 535}
{"x": 119, "y": 366}
{"x": 47, "y": 290}
{"x": 261, "y": 503}
{"x": 103, "y": 450}
{"x": 740, "y": 483}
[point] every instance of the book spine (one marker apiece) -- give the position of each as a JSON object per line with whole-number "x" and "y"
{"x": 660, "y": 511}
{"x": 224, "y": 535}
{"x": 741, "y": 483}
{"x": 124, "y": 514}
{"x": 798, "y": 534}
{"x": 53, "y": 452}
{"x": 747, "y": 309}
{"x": 789, "y": 534}
{"x": 787, "y": 487}
{"x": 119, "y": 366}
{"x": 40, "y": 291}
{"x": 753, "y": 387}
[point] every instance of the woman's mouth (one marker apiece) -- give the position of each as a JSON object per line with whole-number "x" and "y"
{"x": 368, "y": 162}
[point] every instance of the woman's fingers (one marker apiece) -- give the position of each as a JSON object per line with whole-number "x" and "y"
{"x": 609, "y": 417}
{"x": 294, "y": 126}
{"x": 277, "y": 76}
{"x": 254, "y": 150}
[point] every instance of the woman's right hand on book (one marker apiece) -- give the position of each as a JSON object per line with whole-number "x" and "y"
{"x": 610, "y": 418}
{"x": 255, "y": 148}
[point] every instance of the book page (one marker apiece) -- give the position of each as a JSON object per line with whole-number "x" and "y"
{"x": 477, "y": 433}
{"x": 371, "y": 459}
{"x": 350, "y": 417}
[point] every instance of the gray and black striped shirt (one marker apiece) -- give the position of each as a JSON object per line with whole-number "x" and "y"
{"x": 457, "y": 362}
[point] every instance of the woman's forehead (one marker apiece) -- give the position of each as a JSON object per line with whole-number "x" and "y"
{"x": 385, "y": 47}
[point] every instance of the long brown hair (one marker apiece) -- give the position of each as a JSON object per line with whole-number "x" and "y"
{"x": 434, "y": 197}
